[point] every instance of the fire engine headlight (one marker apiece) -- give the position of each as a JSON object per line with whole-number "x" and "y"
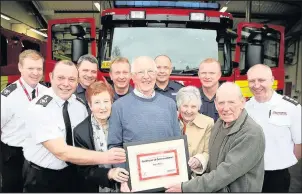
{"x": 137, "y": 15}
{"x": 197, "y": 16}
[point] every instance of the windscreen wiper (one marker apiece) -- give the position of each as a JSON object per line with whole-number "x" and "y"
{"x": 193, "y": 71}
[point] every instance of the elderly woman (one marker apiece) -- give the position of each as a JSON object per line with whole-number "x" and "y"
{"x": 92, "y": 134}
{"x": 196, "y": 126}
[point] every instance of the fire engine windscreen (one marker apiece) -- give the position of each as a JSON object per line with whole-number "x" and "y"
{"x": 186, "y": 47}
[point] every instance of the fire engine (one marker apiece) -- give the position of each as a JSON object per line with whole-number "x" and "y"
{"x": 187, "y": 32}
{"x": 12, "y": 44}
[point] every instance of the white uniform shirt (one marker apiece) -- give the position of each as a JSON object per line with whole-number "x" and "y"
{"x": 280, "y": 119}
{"x": 14, "y": 103}
{"x": 45, "y": 123}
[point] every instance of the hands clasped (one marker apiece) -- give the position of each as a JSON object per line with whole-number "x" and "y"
{"x": 194, "y": 163}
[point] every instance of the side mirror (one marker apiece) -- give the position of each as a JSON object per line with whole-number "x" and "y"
{"x": 254, "y": 54}
{"x": 227, "y": 68}
{"x": 79, "y": 47}
{"x": 77, "y": 30}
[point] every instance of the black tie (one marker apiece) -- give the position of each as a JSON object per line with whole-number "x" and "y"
{"x": 33, "y": 94}
{"x": 67, "y": 124}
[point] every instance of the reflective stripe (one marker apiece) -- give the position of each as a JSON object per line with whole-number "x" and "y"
{"x": 245, "y": 87}
{"x": 4, "y": 81}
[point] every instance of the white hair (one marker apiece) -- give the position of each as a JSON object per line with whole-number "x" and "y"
{"x": 140, "y": 60}
{"x": 187, "y": 94}
{"x": 228, "y": 86}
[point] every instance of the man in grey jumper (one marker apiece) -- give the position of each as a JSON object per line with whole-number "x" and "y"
{"x": 236, "y": 149}
{"x": 142, "y": 114}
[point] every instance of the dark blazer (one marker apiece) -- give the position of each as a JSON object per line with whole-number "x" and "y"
{"x": 90, "y": 177}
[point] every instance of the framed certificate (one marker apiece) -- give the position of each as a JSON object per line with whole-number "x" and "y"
{"x": 155, "y": 164}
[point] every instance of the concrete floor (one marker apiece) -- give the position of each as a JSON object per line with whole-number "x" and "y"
{"x": 296, "y": 178}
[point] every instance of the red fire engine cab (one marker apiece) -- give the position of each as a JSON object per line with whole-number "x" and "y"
{"x": 187, "y": 32}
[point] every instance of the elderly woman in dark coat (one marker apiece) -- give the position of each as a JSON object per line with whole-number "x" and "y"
{"x": 92, "y": 134}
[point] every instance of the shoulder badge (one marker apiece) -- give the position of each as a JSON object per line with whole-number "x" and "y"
{"x": 81, "y": 100}
{"x": 9, "y": 89}
{"x": 293, "y": 101}
{"x": 44, "y": 100}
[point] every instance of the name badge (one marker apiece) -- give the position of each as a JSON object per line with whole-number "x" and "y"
{"x": 174, "y": 94}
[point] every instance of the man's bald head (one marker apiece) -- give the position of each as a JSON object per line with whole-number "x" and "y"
{"x": 160, "y": 57}
{"x": 260, "y": 69}
{"x": 142, "y": 61}
{"x": 229, "y": 88}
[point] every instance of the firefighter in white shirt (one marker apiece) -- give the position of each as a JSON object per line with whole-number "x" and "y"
{"x": 280, "y": 118}
{"x": 48, "y": 149}
{"x": 15, "y": 99}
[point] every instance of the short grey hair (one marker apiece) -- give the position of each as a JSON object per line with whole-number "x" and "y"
{"x": 228, "y": 86}
{"x": 188, "y": 93}
{"x": 132, "y": 69}
{"x": 87, "y": 57}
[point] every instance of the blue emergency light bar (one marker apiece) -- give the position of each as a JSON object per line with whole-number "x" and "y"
{"x": 167, "y": 4}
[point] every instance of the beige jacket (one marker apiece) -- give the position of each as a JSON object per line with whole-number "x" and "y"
{"x": 198, "y": 133}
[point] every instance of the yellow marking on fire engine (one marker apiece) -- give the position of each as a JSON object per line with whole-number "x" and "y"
{"x": 106, "y": 65}
{"x": 246, "y": 92}
{"x": 4, "y": 81}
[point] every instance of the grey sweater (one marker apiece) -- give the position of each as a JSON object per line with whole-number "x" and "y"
{"x": 138, "y": 119}
{"x": 240, "y": 162}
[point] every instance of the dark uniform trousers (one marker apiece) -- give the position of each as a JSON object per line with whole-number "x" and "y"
{"x": 39, "y": 179}
{"x": 12, "y": 160}
{"x": 276, "y": 181}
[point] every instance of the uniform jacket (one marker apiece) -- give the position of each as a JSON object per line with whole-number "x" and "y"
{"x": 240, "y": 165}
{"x": 171, "y": 90}
{"x": 90, "y": 177}
{"x": 280, "y": 119}
{"x": 116, "y": 96}
{"x": 198, "y": 134}
{"x": 80, "y": 93}
{"x": 208, "y": 107}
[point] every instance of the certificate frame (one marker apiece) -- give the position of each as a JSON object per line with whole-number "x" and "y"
{"x": 183, "y": 173}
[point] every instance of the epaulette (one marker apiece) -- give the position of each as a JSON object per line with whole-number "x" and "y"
{"x": 81, "y": 100}
{"x": 293, "y": 101}
{"x": 44, "y": 100}
{"x": 9, "y": 89}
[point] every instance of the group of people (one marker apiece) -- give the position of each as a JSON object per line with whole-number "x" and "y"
{"x": 69, "y": 137}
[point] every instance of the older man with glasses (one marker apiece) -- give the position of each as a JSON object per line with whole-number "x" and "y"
{"x": 143, "y": 114}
